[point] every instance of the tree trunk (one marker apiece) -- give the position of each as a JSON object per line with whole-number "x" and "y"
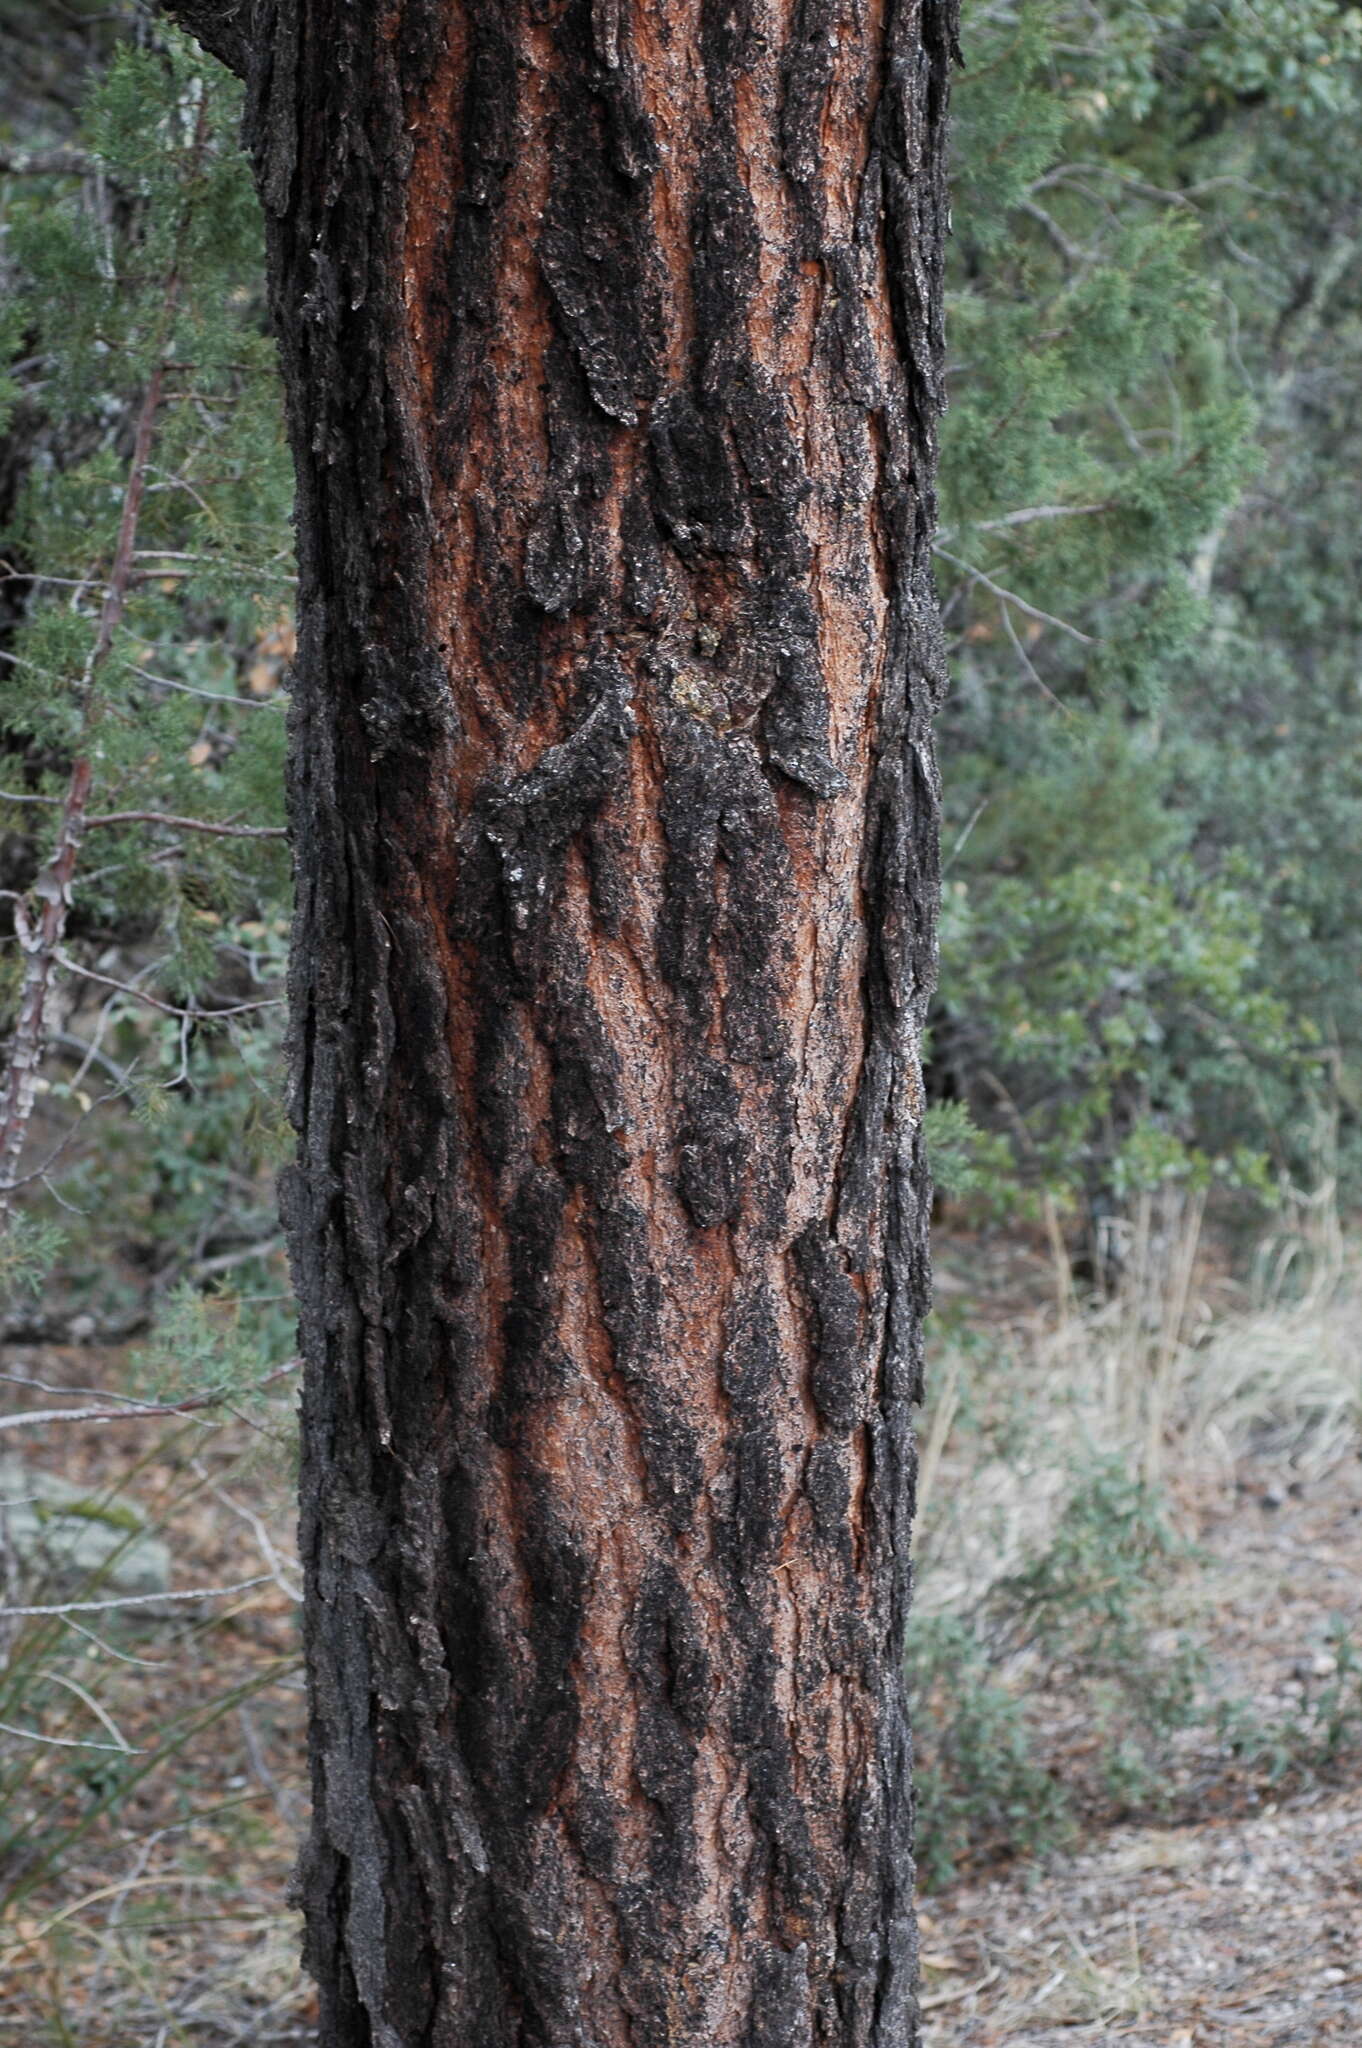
{"x": 611, "y": 332}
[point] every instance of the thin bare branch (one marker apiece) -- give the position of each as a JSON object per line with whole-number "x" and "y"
{"x": 220, "y": 697}
{"x": 961, "y": 842}
{"x": 101, "y": 1714}
{"x": 1032, "y": 671}
{"x": 1029, "y": 514}
{"x": 154, "y": 1002}
{"x": 128, "y": 1409}
{"x": 1010, "y": 597}
{"x": 264, "y": 571}
{"x": 119, "y": 1656}
{"x": 40, "y": 1173}
{"x": 36, "y": 1386}
{"x": 224, "y": 1262}
{"x": 224, "y": 831}
{"x": 58, "y": 1741}
{"x": 1067, "y": 248}
{"x": 137, "y": 1600}
{"x": 264, "y": 1541}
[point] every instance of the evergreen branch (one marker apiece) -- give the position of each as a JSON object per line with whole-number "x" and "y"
{"x": 40, "y": 921}
{"x": 40, "y": 936}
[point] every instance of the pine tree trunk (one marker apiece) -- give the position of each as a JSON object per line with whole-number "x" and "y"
{"x": 611, "y": 332}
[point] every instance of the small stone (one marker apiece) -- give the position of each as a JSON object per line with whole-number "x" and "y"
{"x": 68, "y": 1537}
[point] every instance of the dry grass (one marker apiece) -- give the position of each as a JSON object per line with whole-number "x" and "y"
{"x": 1227, "y": 1916}
{"x": 1165, "y": 1374}
{"x": 1232, "y": 1933}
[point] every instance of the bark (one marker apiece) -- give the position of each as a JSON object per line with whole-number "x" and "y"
{"x": 612, "y": 343}
{"x": 221, "y": 26}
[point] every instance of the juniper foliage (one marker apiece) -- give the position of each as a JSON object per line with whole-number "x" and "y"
{"x": 144, "y": 498}
{"x": 1152, "y": 774}
{"x": 1153, "y": 787}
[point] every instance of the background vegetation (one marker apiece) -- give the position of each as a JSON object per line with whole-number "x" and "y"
{"x": 1146, "y": 1057}
{"x": 1153, "y": 833}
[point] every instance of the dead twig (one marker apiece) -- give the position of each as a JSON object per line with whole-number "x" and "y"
{"x": 139, "y": 1600}
{"x": 134, "y": 1410}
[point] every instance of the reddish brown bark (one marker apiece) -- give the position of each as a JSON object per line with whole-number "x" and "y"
{"x": 611, "y": 333}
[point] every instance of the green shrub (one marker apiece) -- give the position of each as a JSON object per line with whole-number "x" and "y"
{"x": 977, "y": 1780}
{"x": 1154, "y": 802}
{"x": 1080, "y": 1632}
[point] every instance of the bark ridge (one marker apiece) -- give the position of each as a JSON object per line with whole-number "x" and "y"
{"x": 612, "y": 338}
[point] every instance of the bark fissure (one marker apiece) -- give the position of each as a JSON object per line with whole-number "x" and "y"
{"x": 612, "y": 343}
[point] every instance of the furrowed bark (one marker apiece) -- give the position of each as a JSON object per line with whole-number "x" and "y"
{"x": 612, "y": 342}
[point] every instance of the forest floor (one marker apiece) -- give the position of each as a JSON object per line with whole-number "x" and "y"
{"x": 162, "y": 1920}
{"x": 1233, "y": 1917}
{"x": 1240, "y": 1923}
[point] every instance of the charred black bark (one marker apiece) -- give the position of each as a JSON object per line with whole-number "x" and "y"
{"x": 612, "y": 342}
{"x": 222, "y": 26}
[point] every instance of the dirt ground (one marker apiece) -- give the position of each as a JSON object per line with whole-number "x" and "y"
{"x": 1236, "y": 1931}
{"x": 1233, "y": 1932}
